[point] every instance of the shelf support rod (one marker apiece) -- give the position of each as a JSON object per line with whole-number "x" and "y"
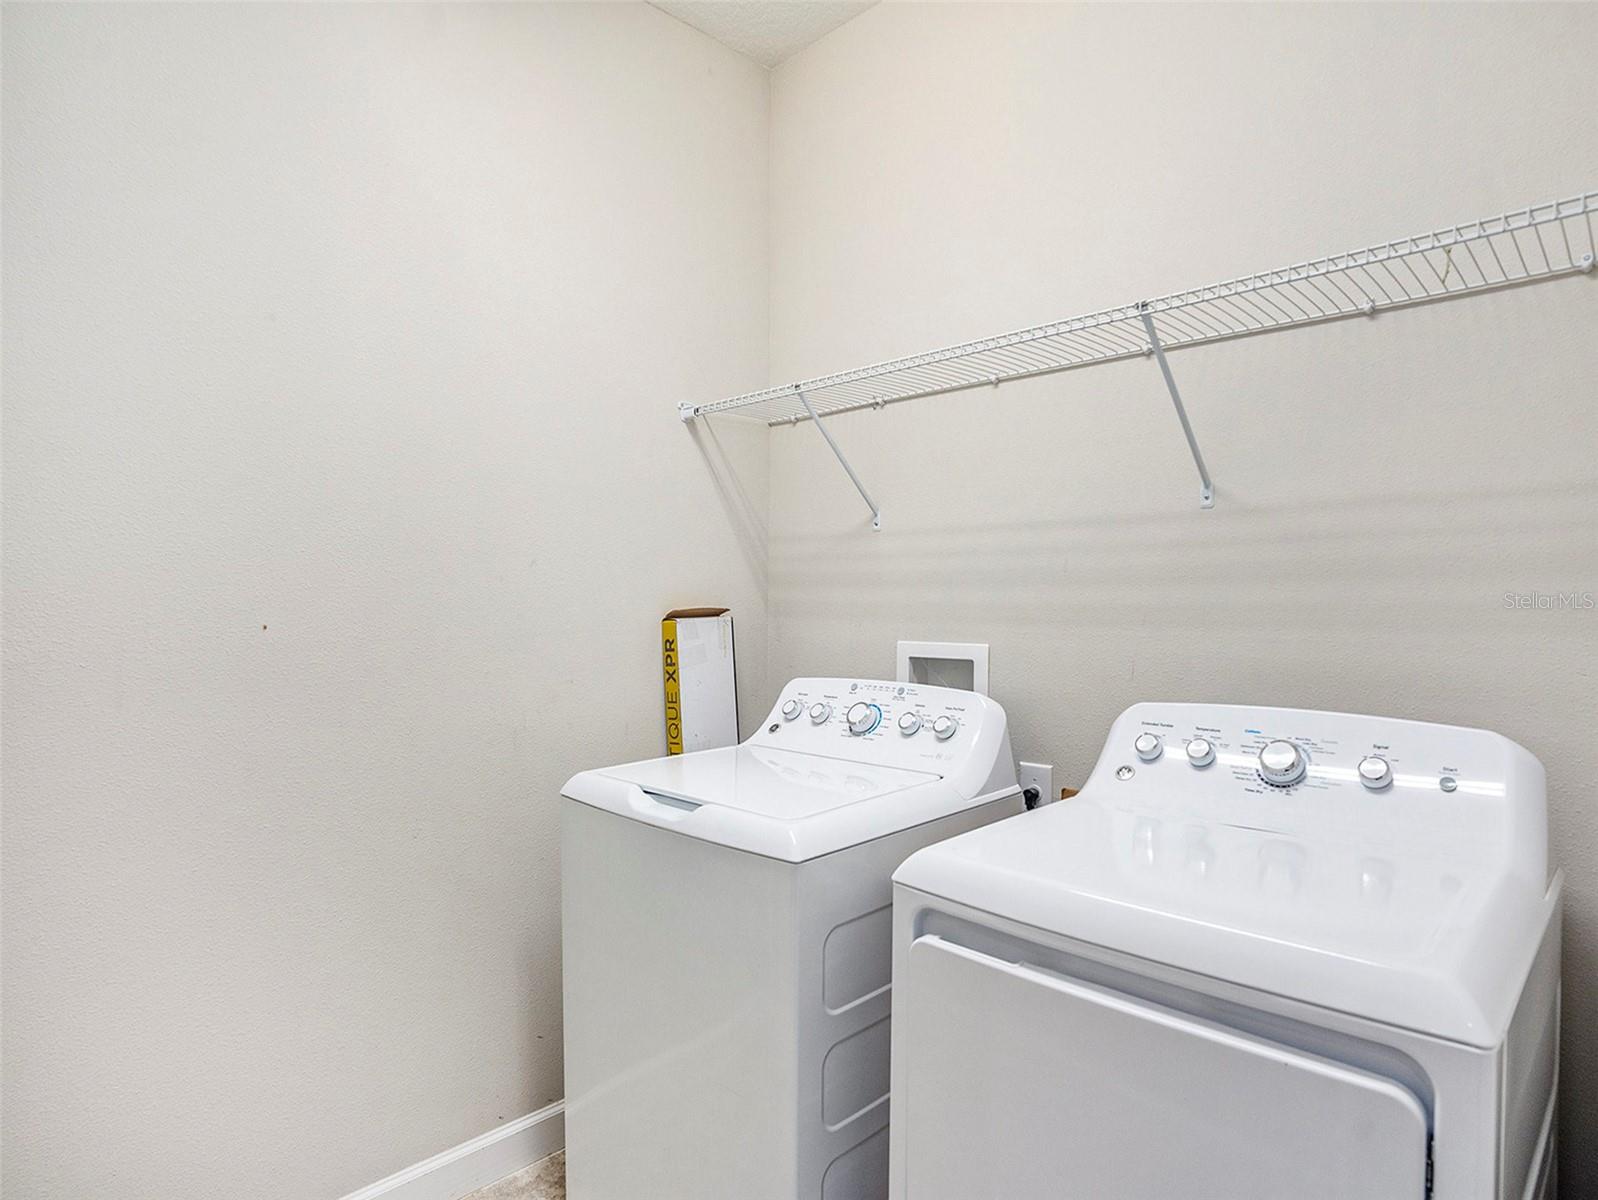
{"x": 1206, "y": 487}
{"x": 876, "y": 513}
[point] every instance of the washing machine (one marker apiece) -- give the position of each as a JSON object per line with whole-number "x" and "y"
{"x": 1265, "y": 954}
{"x": 727, "y": 941}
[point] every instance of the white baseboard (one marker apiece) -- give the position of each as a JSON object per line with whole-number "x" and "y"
{"x": 477, "y": 1163}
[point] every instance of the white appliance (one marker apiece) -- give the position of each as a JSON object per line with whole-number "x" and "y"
{"x": 728, "y": 941}
{"x": 1265, "y": 953}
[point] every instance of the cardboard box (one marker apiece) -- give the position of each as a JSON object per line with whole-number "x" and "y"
{"x": 701, "y": 686}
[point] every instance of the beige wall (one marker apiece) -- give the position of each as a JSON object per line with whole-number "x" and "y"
{"x": 342, "y": 497}
{"x": 359, "y": 324}
{"x": 942, "y": 172}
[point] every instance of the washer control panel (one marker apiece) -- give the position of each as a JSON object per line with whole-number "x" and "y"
{"x": 874, "y": 720}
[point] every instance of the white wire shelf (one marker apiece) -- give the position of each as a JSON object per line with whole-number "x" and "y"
{"x": 1544, "y": 241}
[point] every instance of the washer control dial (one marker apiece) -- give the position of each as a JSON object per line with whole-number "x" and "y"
{"x": 909, "y": 723}
{"x": 944, "y": 727}
{"x": 1148, "y": 747}
{"x": 863, "y": 717}
{"x": 1282, "y": 764}
{"x": 1375, "y": 772}
{"x": 791, "y": 710}
{"x": 1201, "y": 752}
{"x": 819, "y": 712}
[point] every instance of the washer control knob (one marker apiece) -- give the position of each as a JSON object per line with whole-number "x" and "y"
{"x": 944, "y": 727}
{"x": 909, "y": 723}
{"x": 1282, "y": 763}
{"x": 1375, "y": 772}
{"x": 819, "y": 712}
{"x": 1201, "y": 752}
{"x": 862, "y": 717}
{"x": 1148, "y": 747}
{"x": 791, "y": 710}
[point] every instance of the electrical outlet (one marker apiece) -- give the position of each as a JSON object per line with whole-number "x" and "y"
{"x": 1040, "y": 776}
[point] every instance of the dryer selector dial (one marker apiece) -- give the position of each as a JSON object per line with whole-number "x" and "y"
{"x": 1282, "y": 764}
{"x": 1148, "y": 746}
{"x": 791, "y": 710}
{"x": 1201, "y": 752}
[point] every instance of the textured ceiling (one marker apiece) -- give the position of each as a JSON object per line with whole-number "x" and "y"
{"x": 767, "y": 31}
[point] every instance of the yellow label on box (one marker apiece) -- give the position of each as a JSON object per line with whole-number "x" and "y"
{"x": 669, "y": 668}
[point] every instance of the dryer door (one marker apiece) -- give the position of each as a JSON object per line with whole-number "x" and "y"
{"x": 1022, "y": 1084}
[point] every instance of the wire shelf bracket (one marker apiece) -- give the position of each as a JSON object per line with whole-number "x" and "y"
{"x": 876, "y": 513}
{"x": 1206, "y": 485}
{"x": 1529, "y": 245}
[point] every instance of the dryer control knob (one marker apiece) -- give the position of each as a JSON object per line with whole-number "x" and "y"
{"x": 819, "y": 712}
{"x": 791, "y": 710}
{"x": 863, "y": 717}
{"x": 1148, "y": 747}
{"x": 909, "y": 723}
{"x": 1375, "y": 772}
{"x": 1282, "y": 763}
{"x": 944, "y": 727}
{"x": 1201, "y": 752}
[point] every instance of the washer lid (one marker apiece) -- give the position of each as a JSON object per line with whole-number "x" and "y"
{"x": 778, "y": 803}
{"x": 782, "y": 785}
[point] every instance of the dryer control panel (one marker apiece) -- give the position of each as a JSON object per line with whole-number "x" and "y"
{"x": 1295, "y": 770}
{"x": 1284, "y": 749}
